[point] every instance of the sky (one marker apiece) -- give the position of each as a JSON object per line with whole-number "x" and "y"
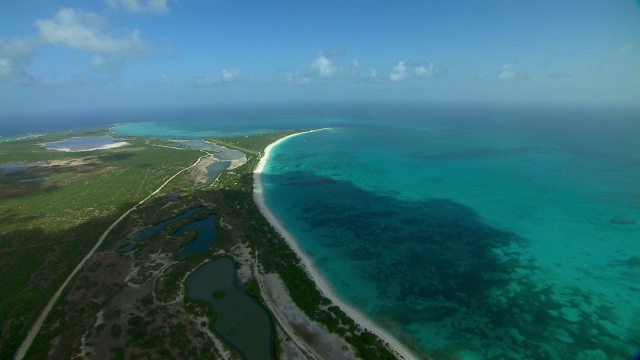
{"x": 146, "y": 54}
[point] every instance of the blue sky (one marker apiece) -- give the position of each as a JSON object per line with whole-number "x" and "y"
{"x": 121, "y": 54}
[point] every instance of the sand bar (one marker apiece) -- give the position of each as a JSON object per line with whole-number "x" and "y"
{"x": 76, "y": 144}
{"x": 394, "y": 345}
{"x": 103, "y": 147}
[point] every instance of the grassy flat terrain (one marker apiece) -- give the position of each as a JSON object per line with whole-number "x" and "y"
{"x": 53, "y": 213}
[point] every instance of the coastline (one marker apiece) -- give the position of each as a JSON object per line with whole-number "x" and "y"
{"x": 392, "y": 343}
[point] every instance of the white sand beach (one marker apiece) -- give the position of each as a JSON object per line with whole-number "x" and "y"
{"x": 393, "y": 344}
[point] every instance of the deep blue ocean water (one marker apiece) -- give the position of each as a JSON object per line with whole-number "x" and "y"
{"x": 474, "y": 233}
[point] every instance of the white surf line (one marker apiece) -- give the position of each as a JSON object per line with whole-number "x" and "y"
{"x": 22, "y": 350}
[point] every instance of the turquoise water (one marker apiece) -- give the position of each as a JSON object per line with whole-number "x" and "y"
{"x": 212, "y": 123}
{"x": 483, "y": 240}
{"x": 504, "y": 233}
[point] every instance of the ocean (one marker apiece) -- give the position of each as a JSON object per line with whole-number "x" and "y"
{"x": 466, "y": 232}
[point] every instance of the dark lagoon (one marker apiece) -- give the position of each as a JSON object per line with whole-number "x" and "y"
{"x": 205, "y": 236}
{"x": 152, "y": 230}
{"x": 239, "y": 319}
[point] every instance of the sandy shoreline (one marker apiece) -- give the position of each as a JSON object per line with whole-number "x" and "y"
{"x": 320, "y": 281}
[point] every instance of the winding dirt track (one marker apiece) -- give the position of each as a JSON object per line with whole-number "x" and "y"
{"x": 309, "y": 352}
{"x": 22, "y": 350}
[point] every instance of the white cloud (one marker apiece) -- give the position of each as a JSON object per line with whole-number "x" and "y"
{"x": 432, "y": 71}
{"x": 323, "y": 67}
{"x": 77, "y": 30}
{"x": 225, "y": 77}
{"x": 14, "y": 57}
{"x": 84, "y": 31}
{"x": 230, "y": 75}
{"x": 404, "y": 71}
{"x": 140, "y": 6}
{"x": 375, "y": 76}
{"x": 426, "y": 72}
{"x": 508, "y": 73}
{"x": 423, "y": 72}
{"x": 296, "y": 78}
{"x": 399, "y": 72}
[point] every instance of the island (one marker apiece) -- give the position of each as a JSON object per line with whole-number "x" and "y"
{"x": 131, "y": 251}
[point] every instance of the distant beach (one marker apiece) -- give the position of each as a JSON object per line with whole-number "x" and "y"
{"x": 320, "y": 281}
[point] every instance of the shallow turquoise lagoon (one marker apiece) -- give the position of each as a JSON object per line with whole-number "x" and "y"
{"x": 493, "y": 242}
{"x": 471, "y": 234}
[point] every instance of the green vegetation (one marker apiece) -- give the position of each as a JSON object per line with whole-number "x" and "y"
{"x": 118, "y": 353}
{"x": 230, "y": 144}
{"x": 116, "y": 331}
{"x": 276, "y": 256}
{"x": 253, "y": 289}
{"x": 47, "y": 226}
{"x": 251, "y": 145}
